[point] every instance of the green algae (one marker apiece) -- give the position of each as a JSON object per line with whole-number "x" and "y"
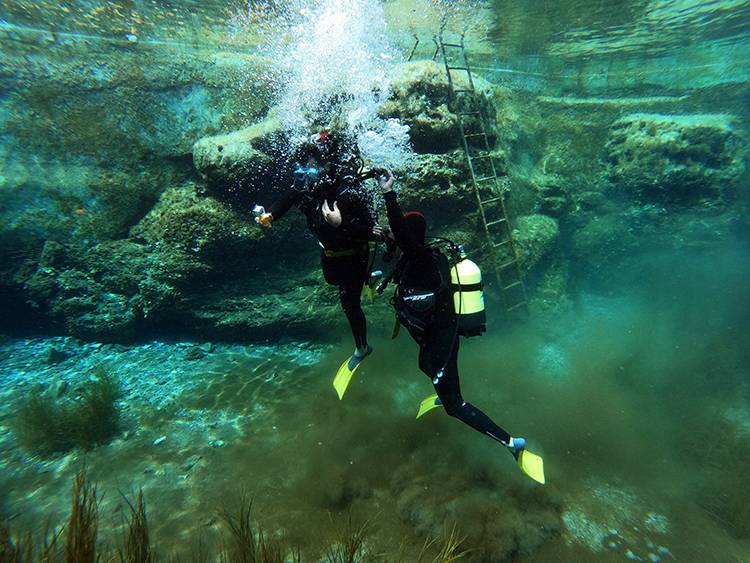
{"x": 47, "y": 425}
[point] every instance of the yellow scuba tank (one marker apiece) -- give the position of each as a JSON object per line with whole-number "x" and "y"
{"x": 468, "y": 296}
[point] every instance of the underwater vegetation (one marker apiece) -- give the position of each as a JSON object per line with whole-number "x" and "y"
{"x": 243, "y": 541}
{"x": 46, "y": 424}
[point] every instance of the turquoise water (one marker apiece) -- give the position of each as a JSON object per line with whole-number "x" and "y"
{"x": 130, "y": 254}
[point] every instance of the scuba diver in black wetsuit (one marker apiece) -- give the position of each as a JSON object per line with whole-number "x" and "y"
{"x": 424, "y": 303}
{"x": 329, "y": 192}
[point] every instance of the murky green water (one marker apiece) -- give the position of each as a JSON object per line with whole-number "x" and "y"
{"x": 622, "y": 128}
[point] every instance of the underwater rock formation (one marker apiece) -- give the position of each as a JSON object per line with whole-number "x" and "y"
{"x": 97, "y": 131}
{"x": 192, "y": 262}
{"x": 238, "y": 159}
{"x": 535, "y": 236}
{"x": 676, "y": 159}
{"x": 200, "y": 225}
{"x": 421, "y": 99}
{"x": 188, "y": 259}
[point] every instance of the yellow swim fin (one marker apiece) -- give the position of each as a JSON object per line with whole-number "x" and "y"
{"x": 342, "y": 379}
{"x": 346, "y": 371}
{"x": 532, "y": 465}
{"x": 428, "y": 404}
{"x": 370, "y": 293}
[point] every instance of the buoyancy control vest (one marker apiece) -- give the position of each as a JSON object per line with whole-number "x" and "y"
{"x": 459, "y": 294}
{"x": 422, "y": 308}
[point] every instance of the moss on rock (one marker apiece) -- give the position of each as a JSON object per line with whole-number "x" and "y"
{"x": 683, "y": 159}
{"x": 535, "y": 236}
{"x": 422, "y": 99}
{"x": 199, "y": 225}
{"x": 237, "y": 160}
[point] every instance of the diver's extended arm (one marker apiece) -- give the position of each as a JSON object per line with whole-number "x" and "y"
{"x": 401, "y": 233}
{"x": 279, "y": 208}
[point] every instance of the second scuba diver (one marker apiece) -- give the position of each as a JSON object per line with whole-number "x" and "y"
{"x": 329, "y": 192}
{"x": 424, "y": 303}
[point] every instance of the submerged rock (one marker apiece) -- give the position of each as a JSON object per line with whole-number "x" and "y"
{"x": 683, "y": 159}
{"x": 535, "y": 236}
{"x": 201, "y": 226}
{"x": 236, "y": 159}
{"x": 422, "y": 99}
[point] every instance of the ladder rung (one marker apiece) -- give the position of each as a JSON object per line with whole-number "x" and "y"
{"x": 462, "y": 90}
{"x": 499, "y": 244}
{"x": 478, "y": 156}
{"x": 516, "y": 306}
{"x": 466, "y": 68}
{"x": 495, "y": 222}
{"x": 485, "y": 179}
{"x": 514, "y": 284}
{"x": 490, "y": 200}
{"x": 507, "y": 264}
{"x": 475, "y": 135}
{"x": 468, "y": 113}
{"x": 452, "y": 45}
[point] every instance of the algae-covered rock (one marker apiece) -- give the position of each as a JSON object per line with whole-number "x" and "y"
{"x": 199, "y": 225}
{"x": 421, "y": 98}
{"x": 682, "y": 159}
{"x": 554, "y": 197}
{"x": 535, "y": 236}
{"x": 437, "y": 186}
{"x": 238, "y": 159}
{"x": 82, "y": 306}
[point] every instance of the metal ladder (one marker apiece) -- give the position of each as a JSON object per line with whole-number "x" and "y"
{"x": 488, "y": 187}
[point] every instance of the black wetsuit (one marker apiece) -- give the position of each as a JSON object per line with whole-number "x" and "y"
{"x": 439, "y": 342}
{"x": 345, "y": 251}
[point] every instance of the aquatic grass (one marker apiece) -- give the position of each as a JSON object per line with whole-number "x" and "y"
{"x": 351, "y": 545}
{"x": 450, "y": 549}
{"x": 246, "y": 544}
{"x": 14, "y": 550}
{"x": 83, "y": 523}
{"x": 137, "y": 545}
{"x": 45, "y": 425}
{"x": 21, "y": 549}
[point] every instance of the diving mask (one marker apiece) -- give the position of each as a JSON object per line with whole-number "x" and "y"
{"x": 304, "y": 176}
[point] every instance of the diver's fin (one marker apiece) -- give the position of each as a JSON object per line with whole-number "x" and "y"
{"x": 346, "y": 371}
{"x": 370, "y": 293}
{"x": 428, "y": 404}
{"x": 532, "y": 465}
{"x": 342, "y": 379}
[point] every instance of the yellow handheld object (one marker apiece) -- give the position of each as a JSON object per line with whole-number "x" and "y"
{"x": 428, "y": 404}
{"x": 532, "y": 465}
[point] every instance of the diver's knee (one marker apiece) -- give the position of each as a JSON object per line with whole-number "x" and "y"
{"x": 453, "y": 407}
{"x": 352, "y": 308}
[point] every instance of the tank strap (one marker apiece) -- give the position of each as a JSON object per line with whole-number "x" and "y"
{"x": 468, "y": 286}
